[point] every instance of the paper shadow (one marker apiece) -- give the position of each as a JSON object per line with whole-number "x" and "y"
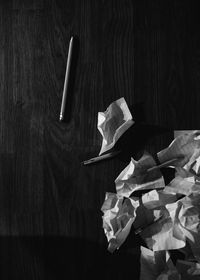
{"x": 138, "y": 112}
{"x": 60, "y": 257}
{"x": 132, "y": 142}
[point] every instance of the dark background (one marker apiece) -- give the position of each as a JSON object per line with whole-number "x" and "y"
{"x": 146, "y": 51}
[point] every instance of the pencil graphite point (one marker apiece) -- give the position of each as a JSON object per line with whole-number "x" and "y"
{"x": 101, "y": 157}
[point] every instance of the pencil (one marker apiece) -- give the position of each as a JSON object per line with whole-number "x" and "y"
{"x": 115, "y": 153}
{"x": 164, "y": 164}
{"x": 139, "y": 230}
{"x": 67, "y": 73}
{"x": 100, "y": 158}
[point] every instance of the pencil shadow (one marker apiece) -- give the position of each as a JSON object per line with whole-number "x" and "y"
{"x": 71, "y": 81}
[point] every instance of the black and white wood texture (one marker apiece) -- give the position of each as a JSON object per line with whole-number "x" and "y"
{"x": 146, "y": 51}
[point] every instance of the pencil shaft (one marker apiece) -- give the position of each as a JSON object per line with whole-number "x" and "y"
{"x": 139, "y": 230}
{"x": 67, "y": 73}
{"x": 99, "y": 158}
{"x": 113, "y": 154}
{"x": 166, "y": 163}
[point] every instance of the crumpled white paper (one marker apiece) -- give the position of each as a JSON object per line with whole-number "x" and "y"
{"x": 191, "y": 169}
{"x": 189, "y": 270}
{"x": 182, "y": 185}
{"x": 166, "y": 217}
{"x": 151, "y": 263}
{"x": 180, "y": 222}
{"x": 157, "y": 266}
{"x": 113, "y": 123}
{"x": 186, "y": 147}
{"x": 151, "y": 210}
{"x": 169, "y": 275}
{"x": 170, "y": 271}
{"x": 135, "y": 177}
{"x": 155, "y": 199}
{"x": 119, "y": 214}
{"x": 195, "y": 269}
{"x": 186, "y": 179}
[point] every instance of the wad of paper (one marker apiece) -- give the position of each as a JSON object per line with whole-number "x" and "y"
{"x": 180, "y": 222}
{"x": 189, "y": 270}
{"x": 119, "y": 214}
{"x": 190, "y": 169}
{"x": 167, "y": 217}
{"x": 113, "y": 123}
{"x": 135, "y": 177}
{"x": 185, "y": 147}
{"x": 157, "y": 266}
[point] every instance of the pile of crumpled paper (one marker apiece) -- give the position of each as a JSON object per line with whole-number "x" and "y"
{"x": 167, "y": 217}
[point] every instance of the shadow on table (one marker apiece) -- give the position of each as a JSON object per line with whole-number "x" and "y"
{"x": 65, "y": 258}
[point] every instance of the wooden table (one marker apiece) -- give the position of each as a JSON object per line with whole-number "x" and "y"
{"x": 145, "y": 51}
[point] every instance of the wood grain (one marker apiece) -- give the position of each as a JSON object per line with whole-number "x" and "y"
{"x": 146, "y": 51}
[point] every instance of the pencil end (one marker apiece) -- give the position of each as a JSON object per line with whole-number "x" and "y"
{"x": 72, "y": 38}
{"x": 61, "y": 118}
{"x": 87, "y": 162}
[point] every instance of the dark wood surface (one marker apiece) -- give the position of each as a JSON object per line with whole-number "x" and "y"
{"x": 146, "y": 51}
